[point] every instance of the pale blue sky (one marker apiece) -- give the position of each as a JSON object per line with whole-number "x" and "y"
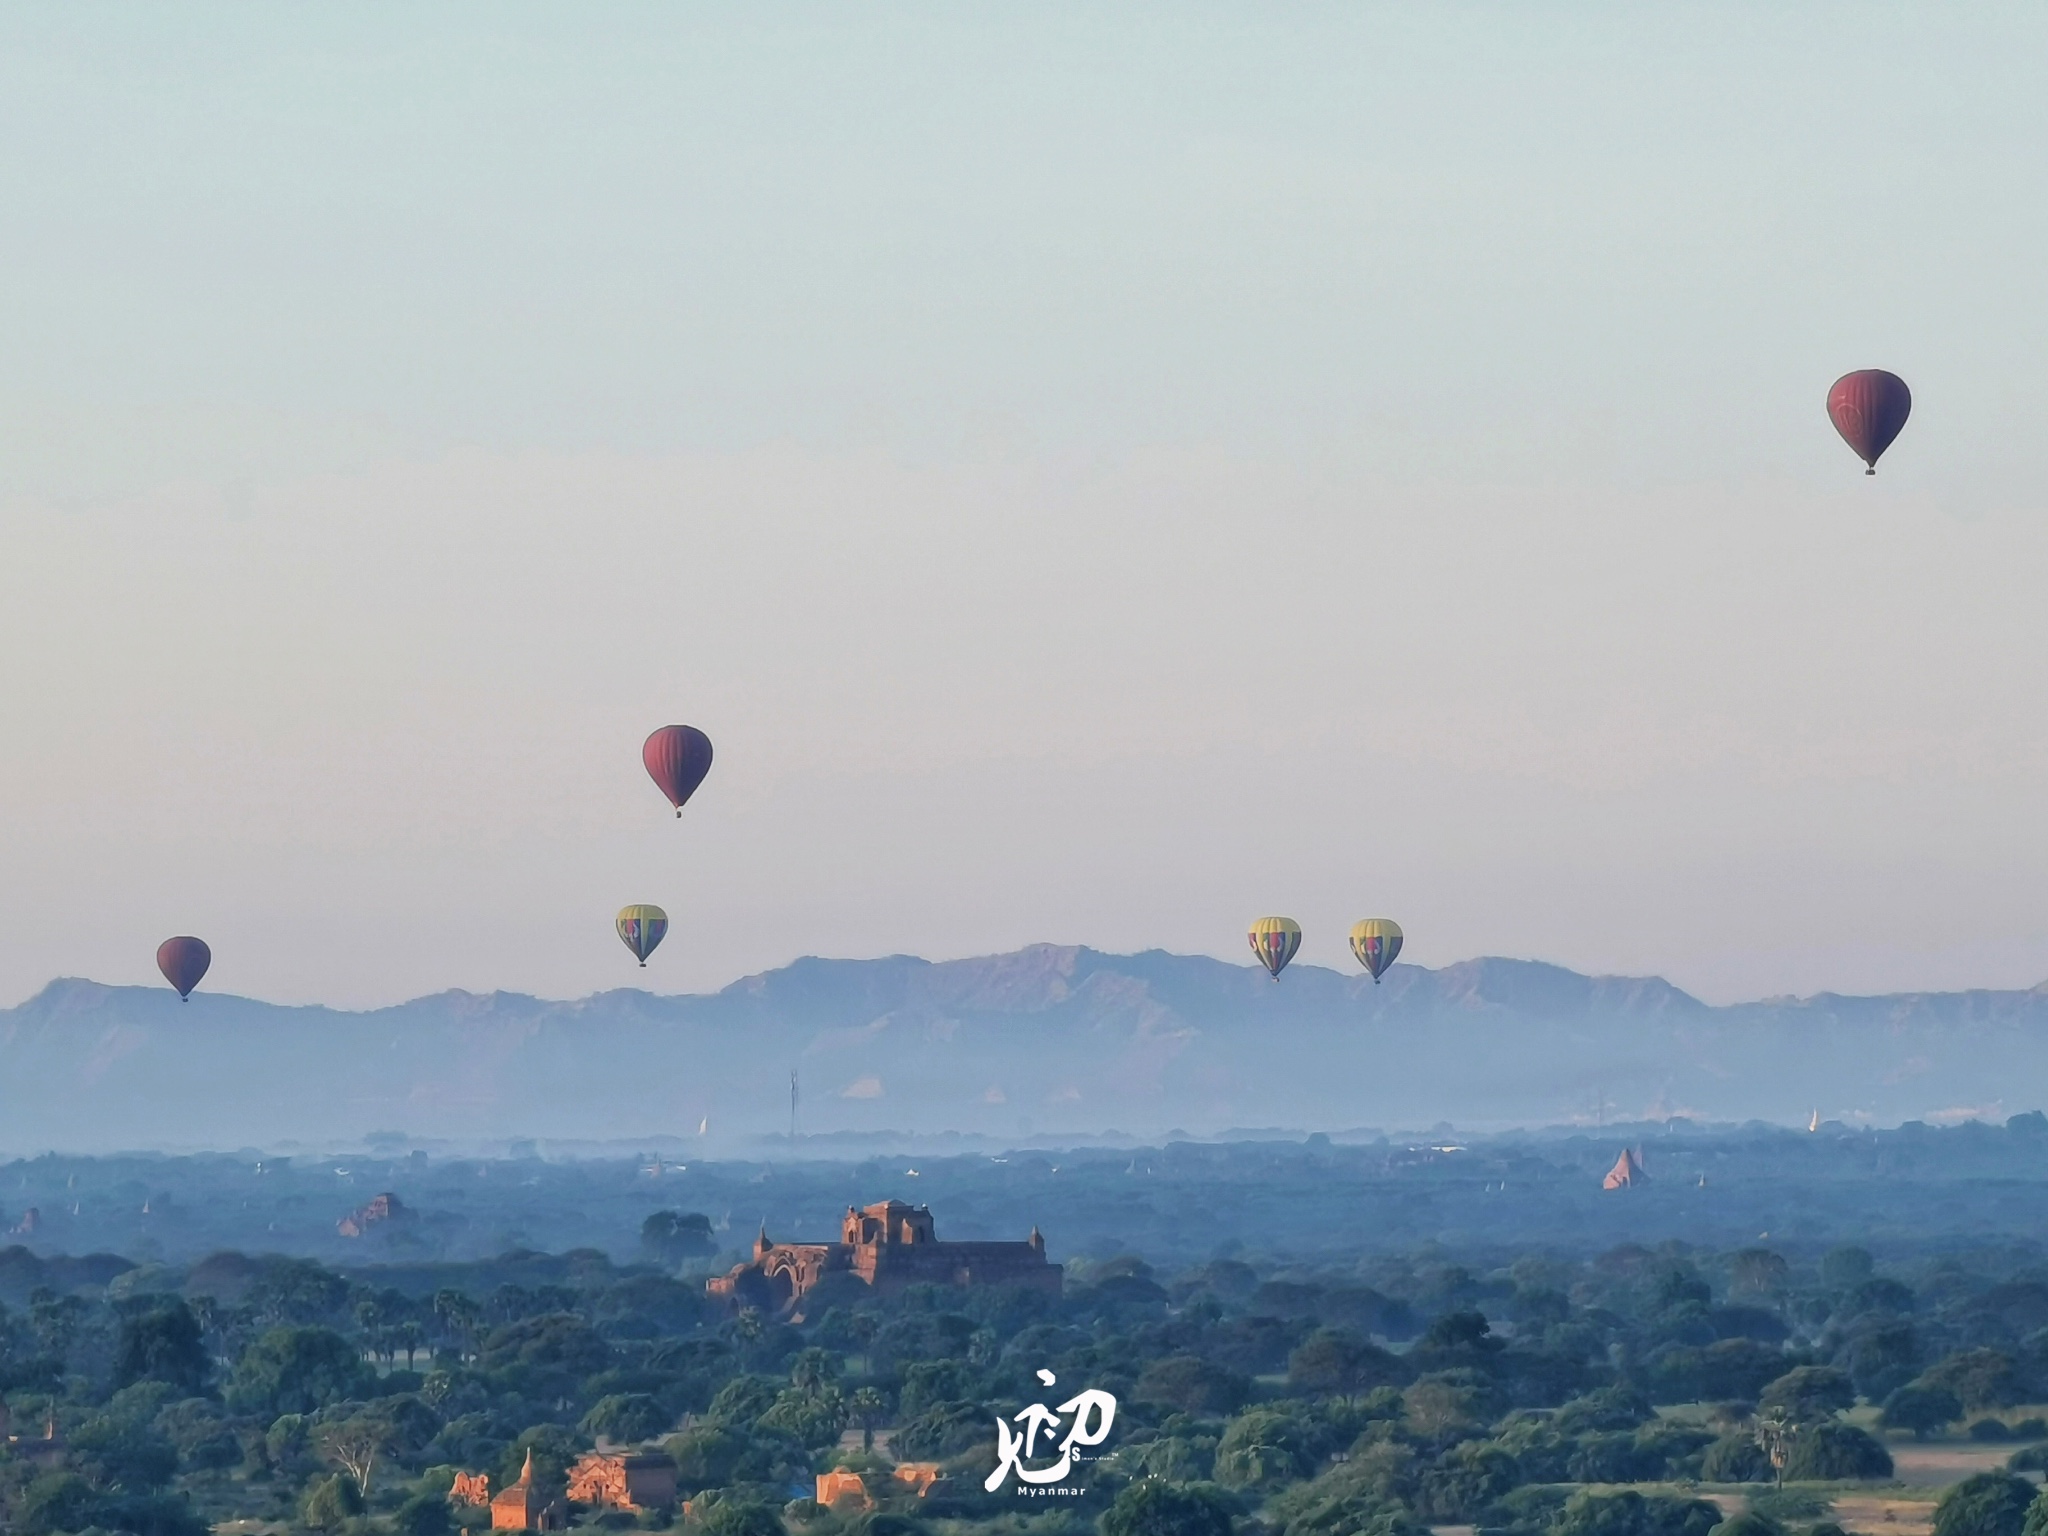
{"x": 1098, "y": 475}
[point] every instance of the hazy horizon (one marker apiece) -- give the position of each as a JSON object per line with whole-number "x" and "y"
{"x": 1096, "y": 477}
{"x": 641, "y": 983}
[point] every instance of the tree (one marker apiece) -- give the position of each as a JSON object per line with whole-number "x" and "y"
{"x": 1447, "y": 1401}
{"x": 285, "y": 1442}
{"x": 298, "y": 1370}
{"x": 1922, "y": 1409}
{"x": 1808, "y": 1393}
{"x": 1459, "y": 1333}
{"x": 1832, "y": 1452}
{"x": 866, "y": 1408}
{"x": 707, "y": 1455}
{"x": 1758, "y": 1272}
{"x": 412, "y": 1425}
{"x": 55, "y": 1321}
{"x": 1632, "y": 1514}
{"x": 56, "y": 1501}
{"x": 1879, "y": 1294}
{"x": 558, "y": 1342}
{"x": 459, "y": 1316}
{"x": 744, "y": 1399}
{"x": 1173, "y": 1458}
{"x": 424, "y": 1514}
{"x": 1727, "y": 1368}
{"x": 627, "y": 1418}
{"x": 885, "y": 1522}
{"x": 1735, "y": 1459}
{"x": 1611, "y": 1408}
{"x": 1679, "y": 1287}
{"x": 1153, "y": 1508}
{"x": 1988, "y": 1504}
{"x": 1610, "y": 1458}
{"x": 203, "y": 1438}
{"x": 1359, "y": 1497}
{"x": 297, "y": 1292}
{"x": 1880, "y": 1357}
{"x": 553, "y": 1449}
{"x": 730, "y": 1517}
{"x": 943, "y": 1430}
{"x": 150, "y": 1514}
{"x": 814, "y": 1419}
{"x": 121, "y": 1453}
{"x": 1264, "y": 1446}
{"x": 813, "y": 1370}
{"x": 163, "y": 1344}
{"x": 710, "y": 1455}
{"x": 672, "y": 1236}
{"x": 1464, "y": 1481}
{"x": 1190, "y": 1384}
{"x": 1980, "y": 1379}
{"x": 1339, "y": 1363}
{"x": 1776, "y": 1433}
{"x": 329, "y": 1503}
{"x": 1845, "y": 1268}
{"x": 927, "y": 1383}
{"x": 354, "y": 1444}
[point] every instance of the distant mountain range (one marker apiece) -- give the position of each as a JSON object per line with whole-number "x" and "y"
{"x": 1045, "y": 1043}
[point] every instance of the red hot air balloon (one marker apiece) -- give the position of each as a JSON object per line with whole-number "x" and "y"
{"x": 1869, "y": 408}
{"x": 183, "y": 961}
{"x": 677, "y": 758}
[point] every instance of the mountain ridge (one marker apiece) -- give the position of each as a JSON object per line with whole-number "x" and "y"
{"x": 1033, "y": 1042}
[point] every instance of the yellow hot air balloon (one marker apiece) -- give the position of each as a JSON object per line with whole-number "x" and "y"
{"x": 641, "y": 927}
{"x": 1275, "y": 941}
{"x": 1376, "y": 940}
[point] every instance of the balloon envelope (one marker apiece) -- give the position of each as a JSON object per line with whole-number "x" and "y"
{"x": 1376, "y": 941}
{"x": 1869, "y": 408}
{"x": 183, "y": 961}
{"x": 677, "y": 758}
{"x": 641, "y": 928}
{"x": 1275, "y": 940}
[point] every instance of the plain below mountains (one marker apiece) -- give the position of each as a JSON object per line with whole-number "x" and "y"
{"x": 1032, "y": 1046}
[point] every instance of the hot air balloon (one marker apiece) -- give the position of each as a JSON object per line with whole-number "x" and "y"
{"x": 642, "y": 927}
{"x": 1869, "y": 408}
{"x": 677, "y": 758}
{"x": 1275, "y": 940}
{"x": 183, "y": 961}
{"x": 1376, "y": 940}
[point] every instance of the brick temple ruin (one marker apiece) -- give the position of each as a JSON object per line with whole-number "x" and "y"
{"x": 887, "y": 1246}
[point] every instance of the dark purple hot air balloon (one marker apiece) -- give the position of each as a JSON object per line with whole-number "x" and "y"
{"x": 1869, "y": 408}
{"x": 677, "y": 758}
{"x": 183, "y": 961}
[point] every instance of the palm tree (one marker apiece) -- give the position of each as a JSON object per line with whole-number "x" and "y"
{"x": 813, "y": 1371}
{"x": 459, "y": 1317}
{"x": 866, "y": 1408}
{"x": 1775, "y": 1434}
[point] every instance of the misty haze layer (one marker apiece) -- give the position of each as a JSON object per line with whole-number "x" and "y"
{"x": 1041, "y": 1043}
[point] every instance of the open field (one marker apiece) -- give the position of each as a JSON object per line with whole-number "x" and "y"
{"x": 1942, "y": 1463}
{"x": 1885, "y": 1513}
